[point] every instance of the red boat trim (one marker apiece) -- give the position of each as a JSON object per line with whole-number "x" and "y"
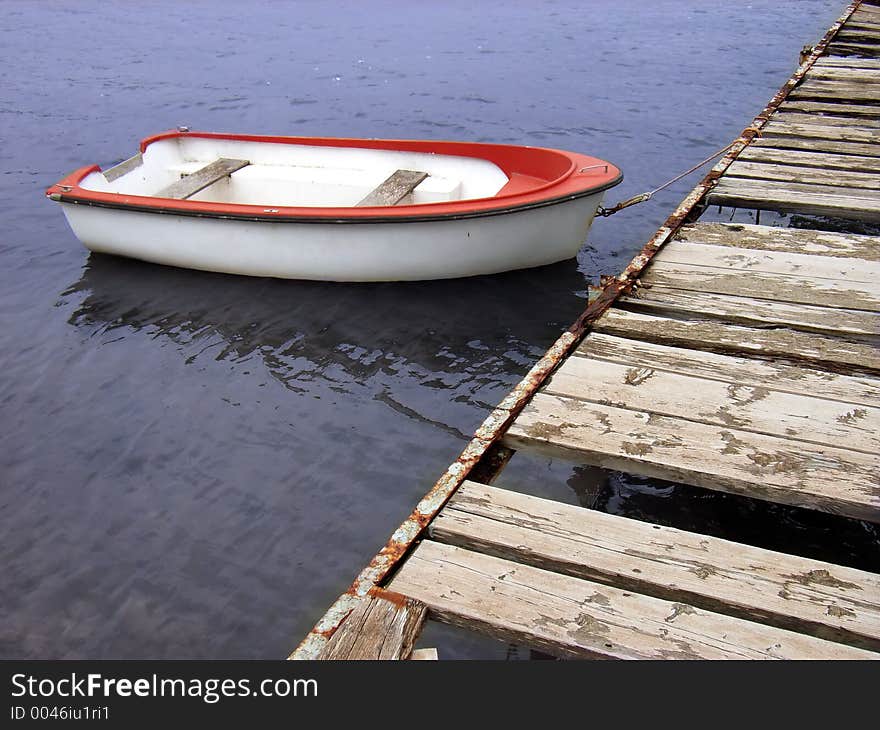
{"x": 562, "y": 170}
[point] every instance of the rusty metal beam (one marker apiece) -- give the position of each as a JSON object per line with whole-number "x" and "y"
{"x": 491, "y": 430}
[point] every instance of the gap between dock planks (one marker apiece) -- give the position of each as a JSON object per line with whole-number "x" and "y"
{"x": 810, "y": 596}
{"x": 577, "y": 618}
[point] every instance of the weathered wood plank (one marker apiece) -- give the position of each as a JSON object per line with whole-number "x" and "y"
{"x": 793, "y": 288}
{"x": 867, "y": 111}
{"x": 792, "y": 198}
{"x": 577, "y": 618}
{"x": 794, "y": 240}
{"x": 860, "y": 390}
{"x": 382, "y": 626}
{"x": 817, "y": 131}
{"x": 862, "y": 35}
{"x": 394, "y": 188}
{"x": 859, "y": 196}
{"x": 661, "y": 300}
{"x": 189, "y": 185}
{"x": 827, "y": 120}
{"x": 753, "y": 408}
{"x": 726, "y": 459}
{"x": 809, "y": 596}
{"x": 819, "y": 145}
{"x": 773, "y": 262}
{"x": 124, "y": 167}
{"x": 845, "y": 92}
{"x": 807, "y": 175}
{"x": 803, "y": 347}
{"x": 866, "y": 11}
{"x": 840, "y": 73}
{"x": 847, "y": 62}
{"x": 428, "y": 654}
{"x": 807, "y": 159}
{"x": 865, "y": 49}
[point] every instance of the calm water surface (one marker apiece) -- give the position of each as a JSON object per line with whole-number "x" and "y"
{"x": 195, "y": 465}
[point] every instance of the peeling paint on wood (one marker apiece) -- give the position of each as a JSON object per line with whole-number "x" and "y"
{"x": 859, "y": 390}
{"x": 714, "y": 336}
{"x": 790, "y": 240}
{"x": 755, "y": 465}
{"x": 830, "y": 601}
{"x": 576, "y": 618}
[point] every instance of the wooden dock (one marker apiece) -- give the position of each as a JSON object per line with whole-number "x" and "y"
{"x": 731, "y": 357}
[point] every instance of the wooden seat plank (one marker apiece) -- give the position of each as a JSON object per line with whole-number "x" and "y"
{"x": 394, "y": 188}
{"x": 189, "y": 185}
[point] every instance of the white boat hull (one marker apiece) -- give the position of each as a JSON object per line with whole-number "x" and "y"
{"x": 347, "y": 251}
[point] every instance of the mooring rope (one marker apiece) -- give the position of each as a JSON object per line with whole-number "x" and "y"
{"x": 605, "y": 212}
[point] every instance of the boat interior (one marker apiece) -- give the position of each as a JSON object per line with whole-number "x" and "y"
{"x": 299, "y": 175}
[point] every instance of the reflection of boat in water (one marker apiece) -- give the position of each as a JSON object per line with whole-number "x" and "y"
{"x": 337, "y": 209}
{"x": 400, "y": 342}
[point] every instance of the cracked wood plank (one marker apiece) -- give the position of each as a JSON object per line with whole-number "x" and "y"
{"x": 794, "y": 287}
{"x": 797, "y": 117}
{"x": 791, "y": 240}
{"x": 850, "y": 46}
{"x": 860, "y": 35}
{"x": 815, "y": 131}
{"x": 577, "y": 618}
{"x": 382, "y": 626}
{"x": 726, "y": 459}
{"x": 818, "y": 89}
{"x": 661, "y": 300}
{"x": 808, "y": 159}
{"x": 754, "y": 408}
{"x": 700, "y": 334}
{"x": 791, "y": 198}
{"x": 749, "y": 261}
{"x": 846, "y": 74}
{"x": 856, "y": 390}
{"x": 809, "y": 596}
{"x": 819, "y": 145}
{"x": 829, "y": 106}
{"x": 810, "y": 175}
{"x": 847, "y": 62}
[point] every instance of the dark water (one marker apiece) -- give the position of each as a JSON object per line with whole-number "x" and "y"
{"x": 195, "y": 465}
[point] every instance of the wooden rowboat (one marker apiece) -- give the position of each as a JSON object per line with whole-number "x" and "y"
{"x": 337, "y": 209}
